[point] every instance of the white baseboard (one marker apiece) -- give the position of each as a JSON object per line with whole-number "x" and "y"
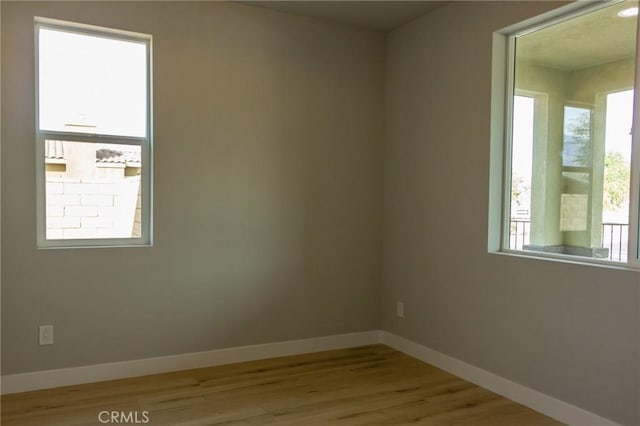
{"x": 24, "y": 382}
{"x": 538, "y": 401}
{"x": 552, "y": 407}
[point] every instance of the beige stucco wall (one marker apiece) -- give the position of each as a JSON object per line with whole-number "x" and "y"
{"x": 548, "y": 86}
{"x": 553, "y": 89}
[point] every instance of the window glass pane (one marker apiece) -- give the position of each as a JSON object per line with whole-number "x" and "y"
{"x": 523, "y": 119}
{"x": 571, "y": 144}
{"x": 92, "y": 190}
{"x": 91, "y": 84}
{"x": 617, "y": 174}
{"x": 576, "y": 137}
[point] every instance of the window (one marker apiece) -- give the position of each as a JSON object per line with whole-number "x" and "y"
{"x": 93, "y": 135}
{"x": 571, "y": 172}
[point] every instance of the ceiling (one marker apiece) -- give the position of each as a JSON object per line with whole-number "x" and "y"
{"x": 593, "y": 39}
{"x": 378, "y": 15}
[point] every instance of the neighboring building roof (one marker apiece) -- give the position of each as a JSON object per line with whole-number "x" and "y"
{"x": 54, "y": 152}
{"x": 114, "y": 156}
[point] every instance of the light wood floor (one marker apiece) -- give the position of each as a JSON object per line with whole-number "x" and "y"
{"x": 371, "y": 385}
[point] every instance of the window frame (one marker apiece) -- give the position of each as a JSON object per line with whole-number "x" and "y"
{"x": 145, "y": 143}
{"x": 503, "y": 91}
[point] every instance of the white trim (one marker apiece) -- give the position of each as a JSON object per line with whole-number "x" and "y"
{"x": 69, "y": 26}
{"x": 497, "y": 136}
{"x": 36, "y": 380}
{"x": 552, "y": 407}
{"x": 633, "y": 248}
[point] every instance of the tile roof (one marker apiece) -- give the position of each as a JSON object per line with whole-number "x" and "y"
{"x": 114, "y": 156}
{"x": 54, "y": 150}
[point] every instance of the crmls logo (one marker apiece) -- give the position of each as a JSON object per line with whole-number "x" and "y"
{"x": 123, "y": 417}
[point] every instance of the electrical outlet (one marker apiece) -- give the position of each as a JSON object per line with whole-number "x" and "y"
{"x": 400, "y": 309}
{"x": 46, "y": 335}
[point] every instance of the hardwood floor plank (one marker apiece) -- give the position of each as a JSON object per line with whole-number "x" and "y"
{"x": 370, "y": 385}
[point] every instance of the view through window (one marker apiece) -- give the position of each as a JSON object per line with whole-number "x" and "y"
{"x": 93, "y": 132}
{"x": 571, "y": 142}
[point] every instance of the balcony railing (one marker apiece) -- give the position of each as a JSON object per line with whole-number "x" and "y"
{"x": 614, "y": 236}
{"x": 519, "y": 233}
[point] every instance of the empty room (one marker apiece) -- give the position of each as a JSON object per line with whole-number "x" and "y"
{"x": 319, "y": 213}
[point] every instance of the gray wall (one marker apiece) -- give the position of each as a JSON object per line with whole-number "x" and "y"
{"x": 569, "y": 331}
{"x": 268, "y": 190}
